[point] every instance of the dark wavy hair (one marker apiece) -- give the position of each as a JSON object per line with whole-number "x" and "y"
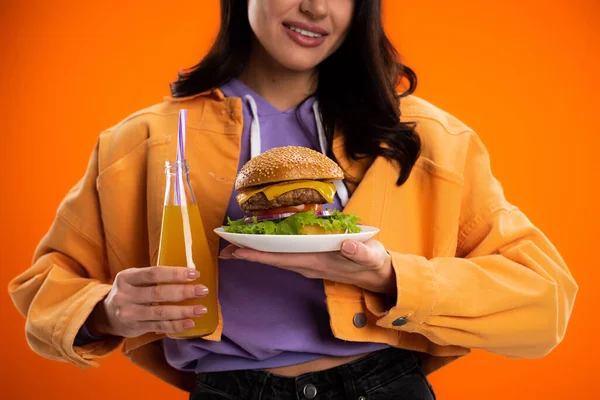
{"x": 357, "y": 85}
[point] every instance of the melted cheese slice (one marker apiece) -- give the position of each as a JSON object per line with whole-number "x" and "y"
{"x": 325, "y": 189}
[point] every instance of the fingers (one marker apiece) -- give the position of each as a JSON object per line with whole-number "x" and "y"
{"x": 153, "y": 275}
{"x": 163, "y": 312}
{"x": 346, "y": 266}
{"x": 167, "y": 293}
{"x": 167, "y": 326}
{"x": 369, "y": 254}
{"x": 227, "y": 252}
{"x": 135, "y": 320}
{"x": 133, "y": 306}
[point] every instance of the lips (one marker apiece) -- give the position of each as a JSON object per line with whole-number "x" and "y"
{"x": 304, "y": 32}
{"x": 305, "y": 35}
{"x": 306, "y": 26}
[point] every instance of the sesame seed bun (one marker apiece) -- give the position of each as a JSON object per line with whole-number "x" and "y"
{"x": 283, "y": 164}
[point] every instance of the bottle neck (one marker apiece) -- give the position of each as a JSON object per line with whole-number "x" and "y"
{"x": 178, "y": 186}
{"x": 172, "y": 168}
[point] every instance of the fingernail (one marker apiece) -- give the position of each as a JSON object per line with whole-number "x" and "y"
{"x": 188, "y": 323}
{"x": 225, "y": 257}
{"x": 200, "y": 290}
{"x": 236, "y": 255}
{"x": 349, "y": 247}
{"x": 193, "y": 274}
{"x": 201, "y": 310}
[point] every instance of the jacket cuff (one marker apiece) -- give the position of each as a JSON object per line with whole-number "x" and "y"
{"x": 417, "y": 288}
{"x": 75, "y": 317}
{"x": 85, "y": 336}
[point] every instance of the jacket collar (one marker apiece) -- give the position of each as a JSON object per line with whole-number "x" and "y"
{"x": 215, "y": 93}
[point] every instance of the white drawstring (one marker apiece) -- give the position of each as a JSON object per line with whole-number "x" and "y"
{"x": 320, "y": 129}
{"x": 254, "y": 128}
{"x": 341, "y": 190}
{"x": 255, "y": 146}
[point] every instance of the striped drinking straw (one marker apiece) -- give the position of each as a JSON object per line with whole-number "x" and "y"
{"x": 179, "y": 196}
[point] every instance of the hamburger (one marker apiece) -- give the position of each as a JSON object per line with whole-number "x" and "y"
{"x": 283, "y": 191}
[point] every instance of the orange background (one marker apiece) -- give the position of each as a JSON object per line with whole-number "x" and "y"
{"x": 525, "y": 76}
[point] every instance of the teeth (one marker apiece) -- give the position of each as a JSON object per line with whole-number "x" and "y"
{"x": 305, "y": 33}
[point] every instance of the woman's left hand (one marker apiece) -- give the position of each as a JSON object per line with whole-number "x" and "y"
{"x": 367, "y": 265}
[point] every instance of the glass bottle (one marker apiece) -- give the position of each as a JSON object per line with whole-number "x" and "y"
{"x": 183, "y": 243}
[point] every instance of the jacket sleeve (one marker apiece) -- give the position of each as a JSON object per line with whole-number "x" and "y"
{"x": 69, "y": 276}
{"x": 507, "y": 291}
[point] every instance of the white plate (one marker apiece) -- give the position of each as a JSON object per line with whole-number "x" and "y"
{"x": 296, "y": 243}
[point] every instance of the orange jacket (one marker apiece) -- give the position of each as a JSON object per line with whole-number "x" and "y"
{"x": 472, "y": 270}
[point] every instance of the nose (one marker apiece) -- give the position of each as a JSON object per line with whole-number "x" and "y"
{"x": 315, "y": 9}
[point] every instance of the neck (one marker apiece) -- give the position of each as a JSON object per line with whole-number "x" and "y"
{"x": 281, "y": 87}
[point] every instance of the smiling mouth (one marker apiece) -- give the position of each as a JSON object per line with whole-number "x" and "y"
{"x": 303, "y": 32}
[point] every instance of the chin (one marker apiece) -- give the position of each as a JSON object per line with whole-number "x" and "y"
{"x": 298, "y": 62}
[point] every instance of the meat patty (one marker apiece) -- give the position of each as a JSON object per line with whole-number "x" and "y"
{"x": 293, "y": 198}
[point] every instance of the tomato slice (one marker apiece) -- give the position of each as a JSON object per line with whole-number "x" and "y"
{"x": 290, "y": 209}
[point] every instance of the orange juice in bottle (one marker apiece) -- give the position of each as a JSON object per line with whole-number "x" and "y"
{"x": 183, "y": 243}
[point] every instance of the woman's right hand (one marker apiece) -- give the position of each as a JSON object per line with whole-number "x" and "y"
{"x": 132, "y": 307}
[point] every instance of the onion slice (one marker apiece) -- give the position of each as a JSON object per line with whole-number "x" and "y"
{"x": 249, "y": 220}
{"x": 267, "y": 217}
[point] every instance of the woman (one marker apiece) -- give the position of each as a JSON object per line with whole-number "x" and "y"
{"x": 455, "y": 266}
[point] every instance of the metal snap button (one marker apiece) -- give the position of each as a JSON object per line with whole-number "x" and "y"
{"x": 310, "y": 391}
{"x": 360, "y": 320}
{"x": 399, "y": 322}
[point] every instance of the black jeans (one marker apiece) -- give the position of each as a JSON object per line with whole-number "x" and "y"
{"x": 382, "y": 375}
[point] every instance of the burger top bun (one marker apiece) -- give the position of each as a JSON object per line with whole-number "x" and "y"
{"x": 289, "y": 163}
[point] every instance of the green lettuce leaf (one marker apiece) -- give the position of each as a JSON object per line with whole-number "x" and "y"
{"x": 292, "y": 225}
